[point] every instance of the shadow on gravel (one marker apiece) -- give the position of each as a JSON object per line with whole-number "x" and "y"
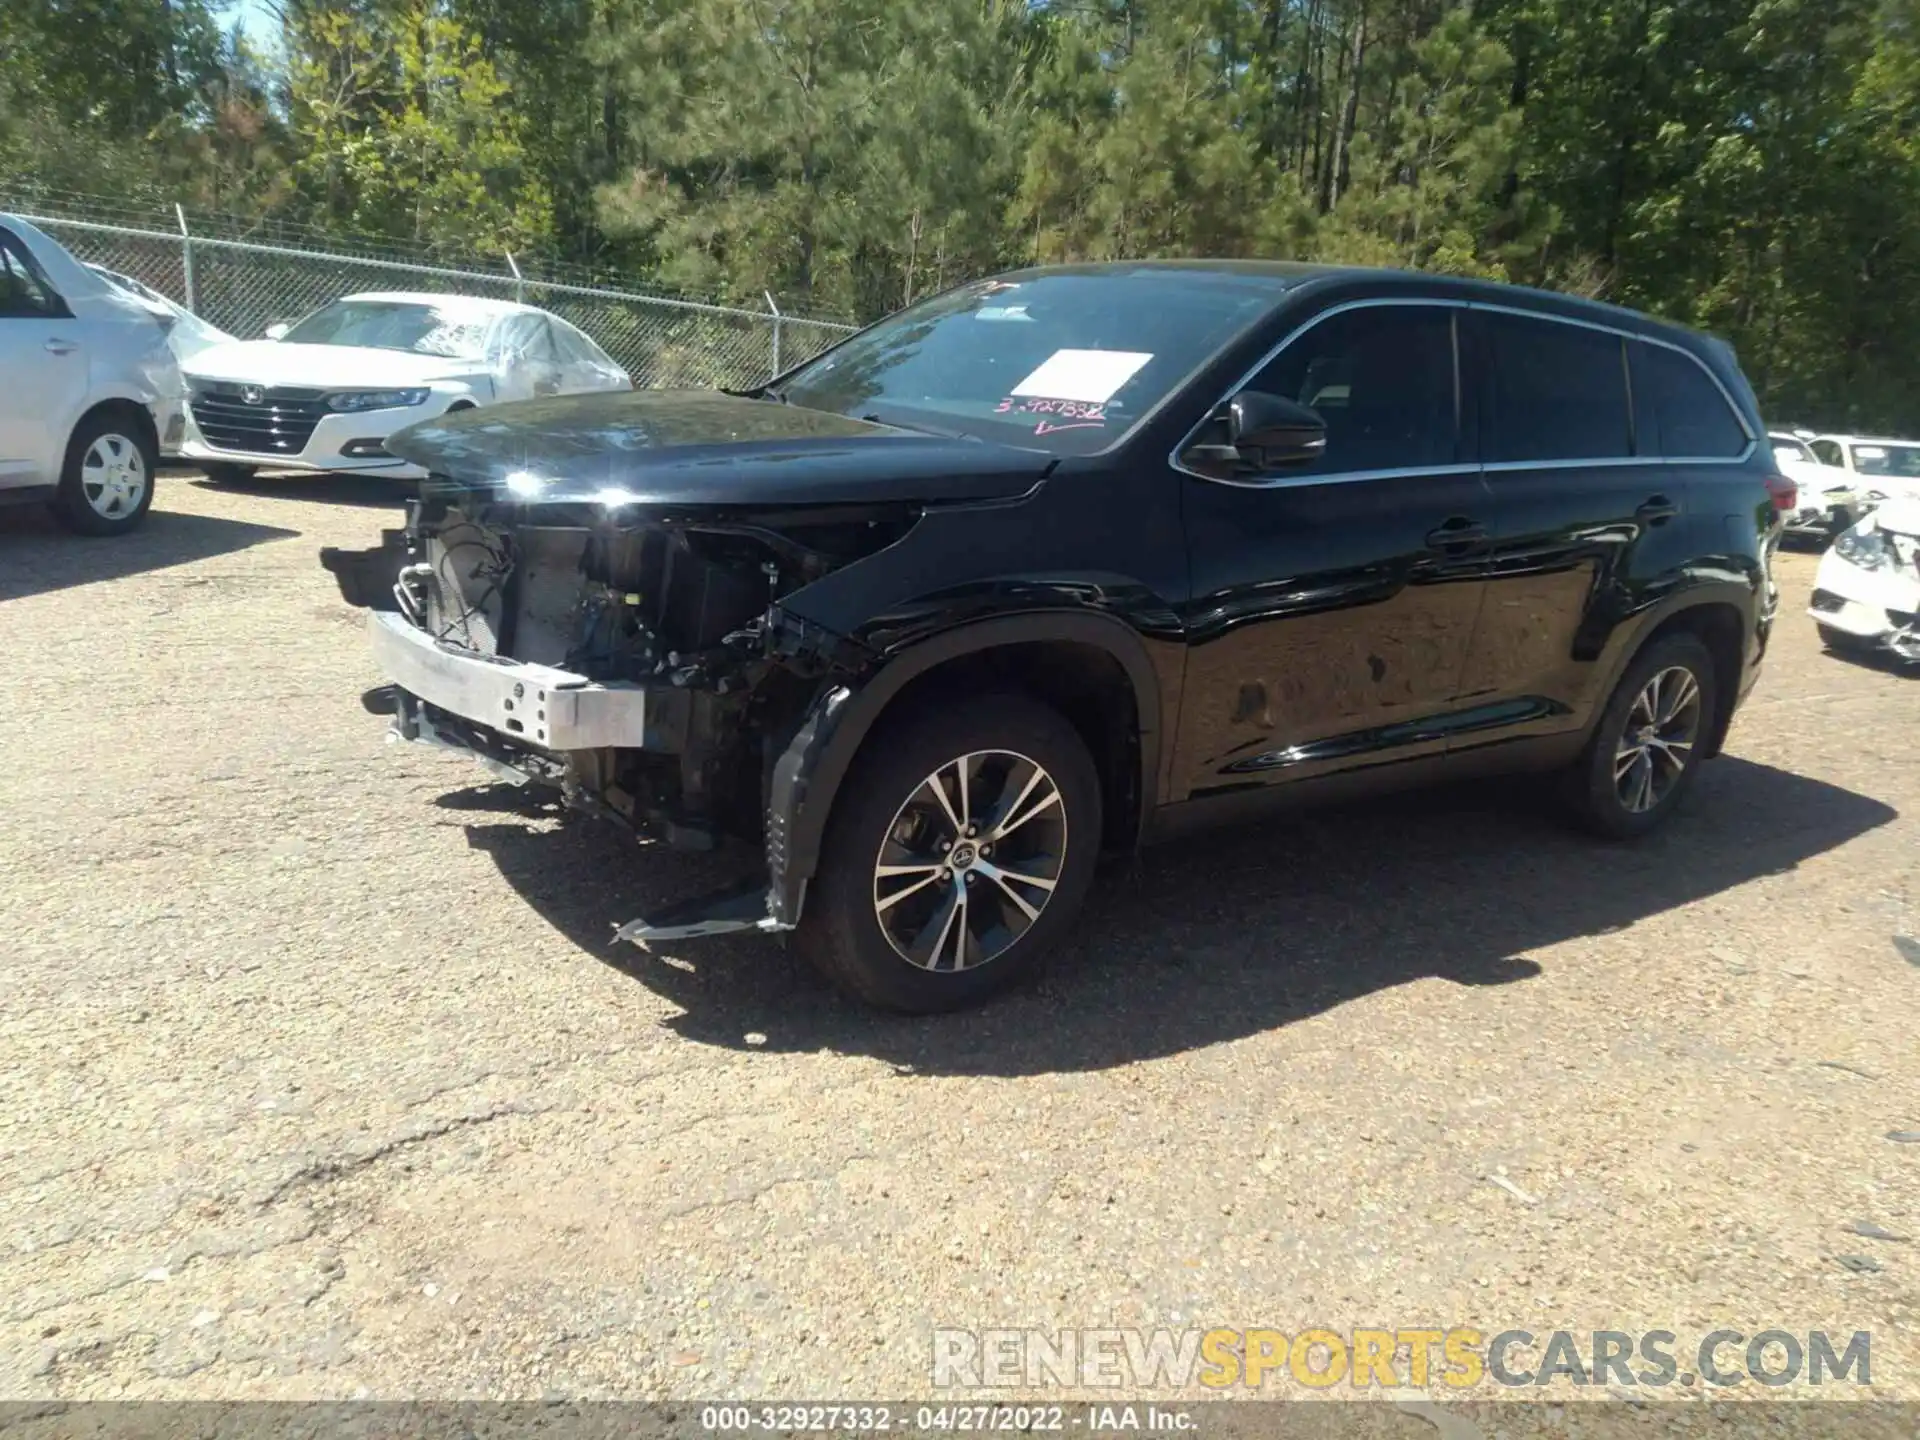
{"x": 38, "y": 555}
{"x": 361, "y": 490}
{"x": 1222, "y": 937}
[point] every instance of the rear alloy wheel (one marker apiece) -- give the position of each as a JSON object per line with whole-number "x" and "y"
{"x": 106, "y": 486}
{"x": 960, "y": 849}
{"x": 1646, "y": 749}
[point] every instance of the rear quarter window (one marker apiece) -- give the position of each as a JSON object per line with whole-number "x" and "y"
{"x": 1695, "y": 419}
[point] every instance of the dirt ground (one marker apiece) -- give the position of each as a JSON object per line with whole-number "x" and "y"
{"x": 323, "y": 1078}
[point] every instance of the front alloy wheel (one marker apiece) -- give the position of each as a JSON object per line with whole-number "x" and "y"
{"x": 961, "y": 846}
{"x": 970, "y": 861}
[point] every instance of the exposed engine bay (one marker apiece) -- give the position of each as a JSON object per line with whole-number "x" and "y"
{"x": 684, "y": 605}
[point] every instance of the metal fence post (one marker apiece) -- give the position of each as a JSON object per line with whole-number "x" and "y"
{"x": 776, "y": 333}
{"x": 186, "y": 255}
{"x": 519, "y": 284}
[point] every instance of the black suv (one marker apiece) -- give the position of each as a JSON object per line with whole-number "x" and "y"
{"x": 1073, "y": 559}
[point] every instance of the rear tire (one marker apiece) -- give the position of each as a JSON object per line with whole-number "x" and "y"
{"x": 912, "y": 913}
{"x": 1646, "y": 749}
{"x": 106, "y": 484}
{"x": 228, "y": 474}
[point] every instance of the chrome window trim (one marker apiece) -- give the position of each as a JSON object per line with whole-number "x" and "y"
{"x": 1340, "y": 477}
{"x": 1498, "y": 467}
{"x": 1373, "y": 302}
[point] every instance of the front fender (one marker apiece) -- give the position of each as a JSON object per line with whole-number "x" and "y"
{"x": 809, "y": 773}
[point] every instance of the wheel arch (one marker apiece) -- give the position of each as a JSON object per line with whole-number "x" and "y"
{"x": 136, "y": 414}
{"x": 1051, "y": 655}
{"x": 1721, "y": 618}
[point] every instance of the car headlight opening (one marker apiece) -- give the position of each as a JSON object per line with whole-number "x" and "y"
{"x": 352, "y": 400}
{"x": 1863, "y": 546}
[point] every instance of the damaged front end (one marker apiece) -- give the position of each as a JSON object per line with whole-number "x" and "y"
{"x": 625, "y": 645}
{"x": 638, "y": 661}
{"x": 1867, "y": 591}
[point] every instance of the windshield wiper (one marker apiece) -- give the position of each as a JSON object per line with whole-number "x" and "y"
{"x": 875, "y": 418}
{"x": 759, "y": 392}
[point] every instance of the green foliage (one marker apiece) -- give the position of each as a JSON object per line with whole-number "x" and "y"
{"x": 402, "y": 127}
{"x": 1749, "y": 166}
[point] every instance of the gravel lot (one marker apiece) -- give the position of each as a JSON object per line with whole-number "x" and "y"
{"x": 323, "y": 1078}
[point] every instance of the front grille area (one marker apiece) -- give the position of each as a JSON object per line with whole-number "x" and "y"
{"x": 279, "y": 422}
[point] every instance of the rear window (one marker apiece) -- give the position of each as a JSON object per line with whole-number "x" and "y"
{"x": 1695, "y": 419}
{"x": 1555, "y": 392}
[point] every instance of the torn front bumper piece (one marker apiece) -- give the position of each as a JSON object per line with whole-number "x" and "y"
{"x": 534, "y": 704}
{"x": 738, "y": 907}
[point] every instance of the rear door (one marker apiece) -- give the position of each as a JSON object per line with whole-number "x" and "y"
{"x": 1582, "y": 517}
{"x": 43, "y": 354}
{"x": 1333, "y": 604}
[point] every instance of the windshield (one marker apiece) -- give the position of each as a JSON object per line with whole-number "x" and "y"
{"x": 1900, "y": 460}
{"x": 1064, "y": 363}
{"x": 1786, "y": 449}
{"x": 394, "y": 325}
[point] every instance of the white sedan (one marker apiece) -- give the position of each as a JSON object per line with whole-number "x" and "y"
{"x": 324, "y": 394}
{"x": 1882, "y": 470}
{"x": 1828, "y": 503}
{"x": 92, "y": 393}
{"x": 1866, "y": 595}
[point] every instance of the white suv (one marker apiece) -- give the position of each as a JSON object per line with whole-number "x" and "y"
{"x": 91, "y": 391}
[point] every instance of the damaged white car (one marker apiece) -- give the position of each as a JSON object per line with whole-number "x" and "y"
{"x": 1867, "y": 594}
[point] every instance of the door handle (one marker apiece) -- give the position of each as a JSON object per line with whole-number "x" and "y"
{"x": 1456, "y": 535}
{"x": 57, "y": 346}
{"x": 1657, "y": 510}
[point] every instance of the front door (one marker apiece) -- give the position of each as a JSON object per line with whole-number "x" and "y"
{"x": 1333, "y": 605}
{"x": 44, "y": 357}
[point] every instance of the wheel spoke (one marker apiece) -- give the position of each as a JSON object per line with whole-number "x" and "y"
{"x": 886, "y": 903}
{"x": 951, "y": 916}
{"x": 1052, "y": 797}
{"x": 965, "y": 766}
{"x": 1003, "y": 879}
{"x": 998, "y": 825}
{"x": 1624, "y": 758}
{"x": 937, "y": 783}
{"x": 1640, "y": 783}
{"x": 1677, "y": 695}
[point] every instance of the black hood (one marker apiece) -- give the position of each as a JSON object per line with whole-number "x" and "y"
{"x": 703, "y": 447}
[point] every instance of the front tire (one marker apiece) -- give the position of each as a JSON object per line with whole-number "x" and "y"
{"x": 1646, "y": 749}
{"x": 106, "y": 484}
{"x": 960, "y": 850}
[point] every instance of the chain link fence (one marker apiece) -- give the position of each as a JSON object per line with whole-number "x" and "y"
{"x": 244, "y": 285}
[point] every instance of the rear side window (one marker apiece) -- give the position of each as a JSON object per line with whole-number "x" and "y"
{"x": 1382, "y": 377}
{"x": 1554, "y": 392}
{"x": 1696, "y": 422}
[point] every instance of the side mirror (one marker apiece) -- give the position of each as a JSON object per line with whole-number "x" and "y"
{"x": 278, "y": 330}
{"x": 1255, "y": 433}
